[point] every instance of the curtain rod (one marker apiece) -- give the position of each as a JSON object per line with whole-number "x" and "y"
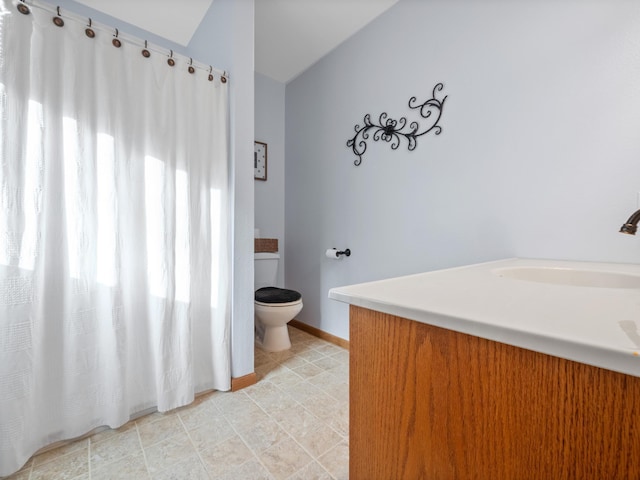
{"x": 24, "y": 7}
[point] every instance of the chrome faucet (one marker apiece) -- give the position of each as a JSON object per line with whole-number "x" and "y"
{"x": 631, "y": 225}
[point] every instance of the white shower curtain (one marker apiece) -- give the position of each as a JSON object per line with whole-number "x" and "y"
{"x": 114, "y": 276}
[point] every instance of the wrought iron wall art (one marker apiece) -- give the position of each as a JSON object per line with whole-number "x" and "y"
{"x": 390, "y": 130}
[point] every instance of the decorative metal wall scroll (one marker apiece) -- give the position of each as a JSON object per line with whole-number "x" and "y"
{"x": 391, "y": 130}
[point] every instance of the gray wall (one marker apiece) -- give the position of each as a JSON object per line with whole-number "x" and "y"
{"x": 539, "y": 154}
{"x": 269, "y": 195}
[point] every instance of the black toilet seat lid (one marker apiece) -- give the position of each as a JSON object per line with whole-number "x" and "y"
{"x": 276, "y": 295}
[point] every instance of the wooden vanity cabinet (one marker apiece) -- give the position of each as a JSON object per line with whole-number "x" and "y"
{"x": 430, "y": 403}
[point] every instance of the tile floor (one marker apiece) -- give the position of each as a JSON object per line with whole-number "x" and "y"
{"x": 293, "y": 424}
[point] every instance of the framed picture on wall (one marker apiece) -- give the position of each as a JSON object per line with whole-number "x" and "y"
{"x": 260, "y": 161}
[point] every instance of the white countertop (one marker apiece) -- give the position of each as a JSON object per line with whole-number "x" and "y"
{"x": 593, "y": 325}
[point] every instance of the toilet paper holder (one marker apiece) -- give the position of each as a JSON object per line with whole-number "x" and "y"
{"x": 335, "y": 253}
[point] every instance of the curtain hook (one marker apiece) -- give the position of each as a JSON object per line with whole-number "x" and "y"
{"x": 210, "y": 73}
{"x": 191, "y": 69}
{"x": 171, "y": 61}
{"x": 23, "y": 8}
{"x": 58, "y": 20}
{"x": 116, "y": 42}
{"x": 146, "y": 53}
{"x": 223, "y": 78}
{"x": 89, "y": 31}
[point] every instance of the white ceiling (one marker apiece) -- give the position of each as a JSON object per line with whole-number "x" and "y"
{"x": 163, "y": 17}
{"x": 290, "y": 35}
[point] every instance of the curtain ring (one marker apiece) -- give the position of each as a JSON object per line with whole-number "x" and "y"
{"x": 191, "y": 69}
{"x": 170, "y": 60}
{"x": 22, "y": 8}
{"x": 223, "y": 78}
{"x": 210, "y": 74}
{"x": 146, "y": 53}
{"x": 89, "y": 31}
{"x": 59, "y": 22}
{"x": 116, "y": 42}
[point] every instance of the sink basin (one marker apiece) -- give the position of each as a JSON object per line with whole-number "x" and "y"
{"x": 570, "y": 277}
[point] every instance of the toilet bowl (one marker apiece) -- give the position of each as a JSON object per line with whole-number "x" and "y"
{"x": 274, "y": 307}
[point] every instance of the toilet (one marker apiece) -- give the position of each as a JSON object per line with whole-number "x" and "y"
{"x": 274, "y": 307}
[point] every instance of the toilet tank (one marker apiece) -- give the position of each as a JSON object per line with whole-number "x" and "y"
{"x": 266, "y": 269}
